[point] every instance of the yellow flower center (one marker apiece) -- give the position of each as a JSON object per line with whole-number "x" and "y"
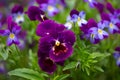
{"x": 100, "y": 31}
{"x": 57, "y": 43}
{"x": 79, "y": 19}
{"x": 18, "y": 16}
{"x": 50, "y": 7}
{"x": 111, "y": 25}
{"x": 11, "y": 35}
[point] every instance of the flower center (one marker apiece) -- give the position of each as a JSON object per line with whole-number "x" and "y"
{"x": 59, "y": 48}
{"x": 18, "y": 16}
{"x": 79, "y": 19}
{"x": 100, "y": 31}
{"x": 111, "y": 25}
{"x": 57, "y": 43}
{"x": 12, "y": 36}
{"x": 50, "y": 8}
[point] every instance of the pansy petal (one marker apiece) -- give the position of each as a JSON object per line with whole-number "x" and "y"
{"x": 9, "y": 41}
{"x": 69, "y": 37}
{"x": 61, "y": 55}
{"x": 4, "y": 32}
{"x": 47, "y": 65}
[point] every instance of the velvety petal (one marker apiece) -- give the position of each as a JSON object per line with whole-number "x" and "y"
{"x": 105, "y": 16}
{"x": 9, "y": 41}
{"x": 110, "y": 7}
{"x": 16, "y": 29}
{"x": 34, "y": 12}
{"x": 17, "y": 9}
{"x": 43, "y": 7}
{"x": 41, "y": 1}
{"x": 82, "y": 14}
{"x": 49, "y": 27}
{"x": 4, "y": 32}
{"x": 74, "y": 18}
{"x": 92, "y": 23}
{"x": 61, "y": 55}
{"x": 45, "y": 44}
{"x": 99, "y": 6}
{"x": 47, "y": 65}
{"x": 74, "y": 12}
{"x": 16, "y": 41}
{"x": 69, "y": 37}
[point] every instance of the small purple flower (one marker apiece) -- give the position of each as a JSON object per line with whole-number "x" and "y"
{"x": 49, "y": 7}
{"x": 99, "y": 6}
{"x": 12, "y": 32}
{"x": 18, "y": 14}
{"x": 34, "y": 13}
{"x": 78, "y": 17}
{"x": 117, "y": 55}
{"x": 111, "y": 23}
{"x": 91, "y": 3}
{"x": 93, "y": 32}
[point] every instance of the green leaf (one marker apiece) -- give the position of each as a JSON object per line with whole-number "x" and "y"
{"x": 61, "y": 77}
{"x": 99, "y": 69}
{"x": 70, "y": 66}
{"x": 26, "y": 73}
{"x": 4, "y": 54}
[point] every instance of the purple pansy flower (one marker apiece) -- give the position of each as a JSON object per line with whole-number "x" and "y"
{"x": 12, "y": 32}
{"x": 98, "y": 32}
{"x": 49, "y": 6}
{"x": 34, "y": 13}
{"x": 59, "y": 41}
{"x": 117, "y": 55}
{"x": 111, "y": 23}
{"x": 91, "y": 3}
{"x": 94, "y": 31}
{"x": 18, "y": 14}
{"x": 78, "y": 17}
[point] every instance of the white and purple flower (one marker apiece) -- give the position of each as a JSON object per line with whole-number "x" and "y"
{"x": 18, "y": 14}
{"x": 78, "y": 17}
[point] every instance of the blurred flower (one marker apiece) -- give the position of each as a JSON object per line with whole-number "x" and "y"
{"x": 22, "y": 38}
{"x": 18, "y": 14}
{"x": 34, "y": 13}
{"x": 94, "y": 31}
{"x": 2, "y": 67}
{"x": 12, "y": 32}
{"x": 110, "y": 22}
{"x": 0, "y": 20}
{"x": 91, "y": 3}
{"x": 78, "y": 17}
{"x": 117, "y": 55}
